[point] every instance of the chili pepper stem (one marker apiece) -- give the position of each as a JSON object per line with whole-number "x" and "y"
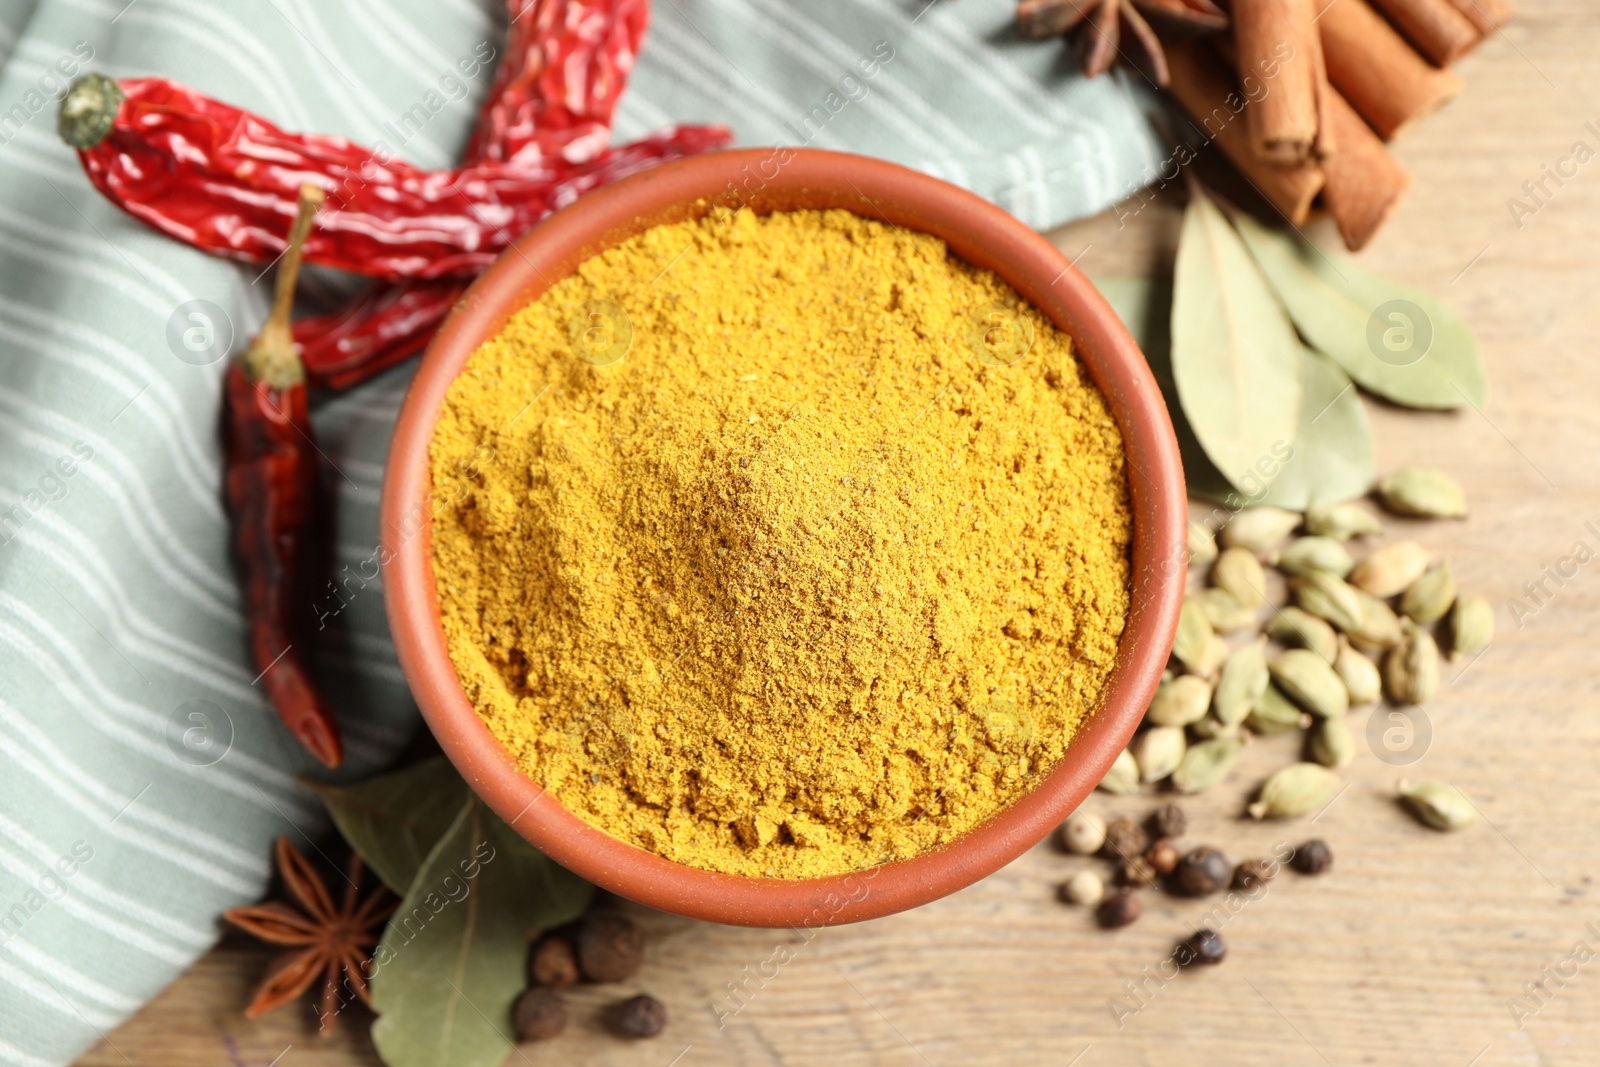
{"x": 272, "y": 356}
{"x": 88, "y": 110}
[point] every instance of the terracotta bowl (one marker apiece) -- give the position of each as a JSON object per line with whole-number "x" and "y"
{"x": 768, "y": 180}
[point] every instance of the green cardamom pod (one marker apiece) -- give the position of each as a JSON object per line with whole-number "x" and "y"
{"x": 1308, "y": 680}
{"x": 1239, "y": 572}
{"x": 1259, "y": 529}
{"x": 1297, "y": 790}
{"x": 1377, "y": 625}
{"x": 1342, "y": 522}
{"x": 1179, "y": 701}
{"x": 1274, "y": 713}
{"x": 1158, "y": 751}
{"x": 1389, "y": 570}
{"x": 1224, "y": 612}
{"x": 1244, "y": 678}
{"x": 1212, "y": 659}
{"x": 1359, "y": 674}
{"x": 1212, "y": 727}
{"x": 1123, "y": 777}
{"x": 1471, "y": 625}
{"x": 1331, "y": 743}
{"x": 1293, "y": 627}
{"x": 1202, "y": 545}
{"x": 1429, "y": 597}
{"x": 1206, "y": 764}
{"x": 1306, "y": 554}
{"x": 1438, "y": 804}
{"x": 1411, "y": 669}
{"x": 1328, "y": 597}
{"x": 1194, "y": 634}
{"x": 1427, "y": 494}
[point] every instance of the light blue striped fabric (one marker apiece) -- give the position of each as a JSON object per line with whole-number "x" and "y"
{"x": 123, "y": 670}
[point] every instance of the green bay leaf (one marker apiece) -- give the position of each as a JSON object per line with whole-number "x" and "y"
{"x": 394, "y": 820}
{"x": 1395, "y": 341}
{"x": 1235, "y": 355}
{"x": 1332, "y": 459}
{"x": 454, "y": 955}
{"x": 1145, "y": 308}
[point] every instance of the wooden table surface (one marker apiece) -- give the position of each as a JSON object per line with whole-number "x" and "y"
{"x": 1412, "y": 948}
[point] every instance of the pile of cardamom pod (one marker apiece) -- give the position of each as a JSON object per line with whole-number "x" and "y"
{"x": 1358, "y": 630}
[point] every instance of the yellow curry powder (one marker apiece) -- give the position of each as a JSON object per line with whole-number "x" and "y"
{"x": 800, "y": 584}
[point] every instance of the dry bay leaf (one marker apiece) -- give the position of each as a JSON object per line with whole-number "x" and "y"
{"x": 1332, "y": 459}
{"x": 1235, "y": 355}
{"x": 1350, "y": 315}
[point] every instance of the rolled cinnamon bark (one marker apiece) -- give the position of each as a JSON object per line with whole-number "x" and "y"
{"x": 1372, "y": 66}
{"x": 1207, "y": 88}
{"x": 1486, "y": 15}
{"x": 1364, "y": 182}
{"x": 1280, "y": 36}
{"x": 1439, "y": 30}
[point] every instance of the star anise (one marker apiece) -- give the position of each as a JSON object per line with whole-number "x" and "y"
{"x": 324, "y": 940}
{"x": 1104, "y": 27}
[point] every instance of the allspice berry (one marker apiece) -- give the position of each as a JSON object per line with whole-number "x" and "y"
{"x": 1084, "y": 888}
{"x": 1204, "y": 947}
{"x": 539, "y": 1015}
{"x": 1125, "y": 839}
{"x": 610, "y": 947}
{"x": 1136, "y": 872}
{"x": 1162, "y": 856}
{"x": 1201, "y": 871}
{"x": 1253, "y": 874}
{"x": 1167, "y": 821}
{"x": 553, "y": 964}
{"x": 1313, "y": 857}
{"x": 641, "y": 1016}
{"x": 1119, "y": 909}
{"x": 1084, "y": 833}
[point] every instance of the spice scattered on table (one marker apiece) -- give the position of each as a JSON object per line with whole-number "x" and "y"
{"x": 326, "y": 941}
{"x": 539, "y": 1015}
{"x": 1204, "y": 947}
{"x": 1312, "y": 857}
{"x": 641, "y": 1016}
{"x": 1119, "y": 909}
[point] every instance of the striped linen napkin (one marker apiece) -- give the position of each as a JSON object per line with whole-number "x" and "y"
{"x": 142, "y": 775}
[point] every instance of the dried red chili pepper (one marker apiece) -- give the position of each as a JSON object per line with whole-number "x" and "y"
{"x": 566, "y": 64}
{"x": 553, "y": 96}
{"x": 271, "y": 486}
{"x": 225, "y": 180}
{"x": 386, "y": 324}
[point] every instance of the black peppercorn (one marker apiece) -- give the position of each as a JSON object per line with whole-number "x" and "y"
{"x": 1201, "y": 871}
{"x": 1251, "y": 875}
{"x": 1162, "y": 856}
{"x": 1203, "y": 947}
{"x": 1119, "y": 909}
{"x": 641, "y": 1016}
{"x": 1136, "y": 872}
{"x": 1313, "y": 857}
{"x": 1125, "y": 839}
{"x": 553, "y": 964}
{"x": 610, "y": 947}
{"x": 1167, "y": 821}
{"x": 539, "y": 1015}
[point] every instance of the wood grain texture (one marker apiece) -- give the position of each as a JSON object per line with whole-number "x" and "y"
{"x": 1407, "y": 952}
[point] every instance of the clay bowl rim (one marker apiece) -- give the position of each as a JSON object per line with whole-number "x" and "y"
{"x": 775, "y": 179}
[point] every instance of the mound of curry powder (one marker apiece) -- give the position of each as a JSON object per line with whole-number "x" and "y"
{"x": 781, "y": 545}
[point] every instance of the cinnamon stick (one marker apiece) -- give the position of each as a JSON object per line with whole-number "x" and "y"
{"x": 1372, "y": 66}
{"x": 1486, "y": 15}
{"x": 1275, "y": 40}
{"x": 1364, "y": 182}
{"x": 1438, "y": 29}
{"x": 1209, "y": 90}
